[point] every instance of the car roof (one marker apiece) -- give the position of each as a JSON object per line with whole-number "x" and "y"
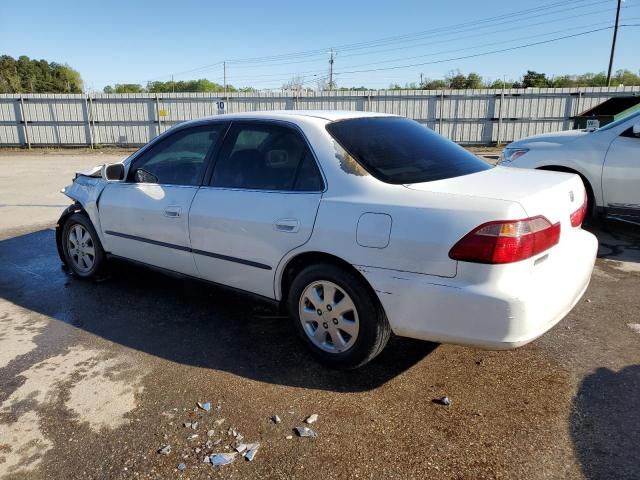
{"x": 330, "y": 115}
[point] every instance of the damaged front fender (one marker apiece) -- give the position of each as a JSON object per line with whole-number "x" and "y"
{"x": 85, "y": 191}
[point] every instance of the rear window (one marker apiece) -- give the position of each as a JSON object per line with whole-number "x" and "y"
{"x": 398, "y": 150}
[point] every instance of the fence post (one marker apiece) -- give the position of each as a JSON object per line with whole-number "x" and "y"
{"x": 88, "y": 120}
{"x": 158, "y": 115}
{"x": 24, "y": 122}
{"x": 441, "y": 112}
{"x": 499, "y": 134}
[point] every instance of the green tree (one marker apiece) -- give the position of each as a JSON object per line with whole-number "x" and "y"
{"x": 124, "y": 88}
{"x": 534, "y": 79}
{"x": 25, "y": 75}
{"x": 455, "y": 79}
{"x": 430, "y": 84}
{"x": 473, "y": 80}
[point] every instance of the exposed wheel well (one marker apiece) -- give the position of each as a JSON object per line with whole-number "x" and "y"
{"x": 590, "y": 196}
{"x": 303, "y": 260}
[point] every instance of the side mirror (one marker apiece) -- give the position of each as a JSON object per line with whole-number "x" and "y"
{"x": 636, "y": 129}
{"x": 113, "y": 172}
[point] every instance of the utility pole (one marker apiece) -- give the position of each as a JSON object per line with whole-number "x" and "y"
{"x": 224, "y": 76}
{"x": 331, "y": 70}
{"x": 613, "y": 43}
{"x": 421, "y": 79}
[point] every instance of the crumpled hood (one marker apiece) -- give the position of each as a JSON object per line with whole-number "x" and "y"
{"x": 549, "y": 140}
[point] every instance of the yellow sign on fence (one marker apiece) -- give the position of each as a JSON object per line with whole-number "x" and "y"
{"x": 163, "y": 113}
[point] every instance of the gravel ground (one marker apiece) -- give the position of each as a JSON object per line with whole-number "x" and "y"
{"x": 96, "y": 377}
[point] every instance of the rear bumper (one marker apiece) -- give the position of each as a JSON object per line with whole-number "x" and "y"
{"x": 489, "y": 306}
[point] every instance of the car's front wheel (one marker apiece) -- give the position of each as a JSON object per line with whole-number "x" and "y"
{"x": 81, "y": 246}
{"x": 338, "y": 316}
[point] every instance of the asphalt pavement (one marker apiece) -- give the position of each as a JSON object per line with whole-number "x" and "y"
{"x": 96, "y": 377}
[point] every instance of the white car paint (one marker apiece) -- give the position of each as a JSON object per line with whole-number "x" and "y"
{"x": 607, "y": 158}
{"x": 397, "y": 236}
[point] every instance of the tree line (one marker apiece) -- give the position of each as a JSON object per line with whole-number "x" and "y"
{"x": 25, "y": 75}
{"x": 531, "y": 79}
{"x": 200, "y": 85}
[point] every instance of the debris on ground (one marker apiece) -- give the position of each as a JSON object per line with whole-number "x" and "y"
{"x": 634, "y": 327}
{"x": 211, "y": 433}
{"x": 276, "y": 419}
{"x": 289, "y": 437}
{"x": 219, "y": 422}
{"x": 165, "y": 450}
{"x": 206, "y": 406}
{"x": 442, "y": 401}
{"x": 305, "y": 432}
{"x": 219, "y": 459}
{"x": 186, "y": 424}
{"x": 197, "y": 450}
{"x": 194, "y": 425}
{"x": 311, "y": 419}
{"x": 192, "y": 437}
{"x": 251, "y": 451}
{"x": 182, "y": 466}
{"x": 206, "y": 459}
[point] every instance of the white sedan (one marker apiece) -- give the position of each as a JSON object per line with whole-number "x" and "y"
{"x": 360, "y": 224}
{"x": 607, "y": 159}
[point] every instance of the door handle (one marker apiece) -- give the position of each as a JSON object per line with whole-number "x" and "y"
{"x": 289, "y": 225}
{"x": 172, "y": 211}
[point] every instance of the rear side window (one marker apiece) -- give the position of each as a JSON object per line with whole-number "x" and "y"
{"x": 266, "y": 157}
{"x": 398, "y": 150}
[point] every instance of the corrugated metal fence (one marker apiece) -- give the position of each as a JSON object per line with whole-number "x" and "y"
{"x": 466, "y": 116}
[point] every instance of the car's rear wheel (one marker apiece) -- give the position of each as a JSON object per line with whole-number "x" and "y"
{"x": 81, "y": 246}
{"x": 338, "y": 316}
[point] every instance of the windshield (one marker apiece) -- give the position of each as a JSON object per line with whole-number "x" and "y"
{"x": 619, "y": 121}
{"x": 398, "y": 150}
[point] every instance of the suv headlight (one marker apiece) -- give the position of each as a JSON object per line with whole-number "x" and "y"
{"x": 511, "y": 154}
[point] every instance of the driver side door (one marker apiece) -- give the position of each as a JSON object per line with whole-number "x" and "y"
{"x": 145, "y": 217}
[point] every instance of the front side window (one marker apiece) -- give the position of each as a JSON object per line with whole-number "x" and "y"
{"x": 177, "y": 160}
{"x": 266, "y": 157}
{"x": 401, "y": 151}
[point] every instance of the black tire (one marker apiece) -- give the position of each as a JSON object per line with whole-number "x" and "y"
{"x": 374, "y": 330}
{"x": 99, "y": 258}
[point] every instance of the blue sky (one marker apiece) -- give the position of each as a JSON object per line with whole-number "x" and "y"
{"x": 136, "y": 41}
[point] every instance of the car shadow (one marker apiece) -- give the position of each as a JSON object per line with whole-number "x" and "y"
{"x": 182, "y": 320}
{"x": 605, "y": 424}
{"x": 617, "y": 240}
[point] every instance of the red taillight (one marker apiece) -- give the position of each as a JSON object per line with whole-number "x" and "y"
{"x": 507, "y": 241}
{"x": 577, "y": 217}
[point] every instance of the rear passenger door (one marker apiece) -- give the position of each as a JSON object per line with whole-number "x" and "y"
{"x": 261, "y": 202}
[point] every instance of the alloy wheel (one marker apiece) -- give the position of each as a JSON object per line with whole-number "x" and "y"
{"x": 329, "y": 316}
{"x": 81, "y": 248}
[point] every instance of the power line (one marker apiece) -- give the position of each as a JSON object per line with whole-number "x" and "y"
{"x": 290, "y": 74}
{"x": 542, "y": 42}
{"x": 502, "y": 30}
{"x": 397, "y": 38}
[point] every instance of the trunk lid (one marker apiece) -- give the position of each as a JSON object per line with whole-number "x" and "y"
{"x": 555, "y": 195}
